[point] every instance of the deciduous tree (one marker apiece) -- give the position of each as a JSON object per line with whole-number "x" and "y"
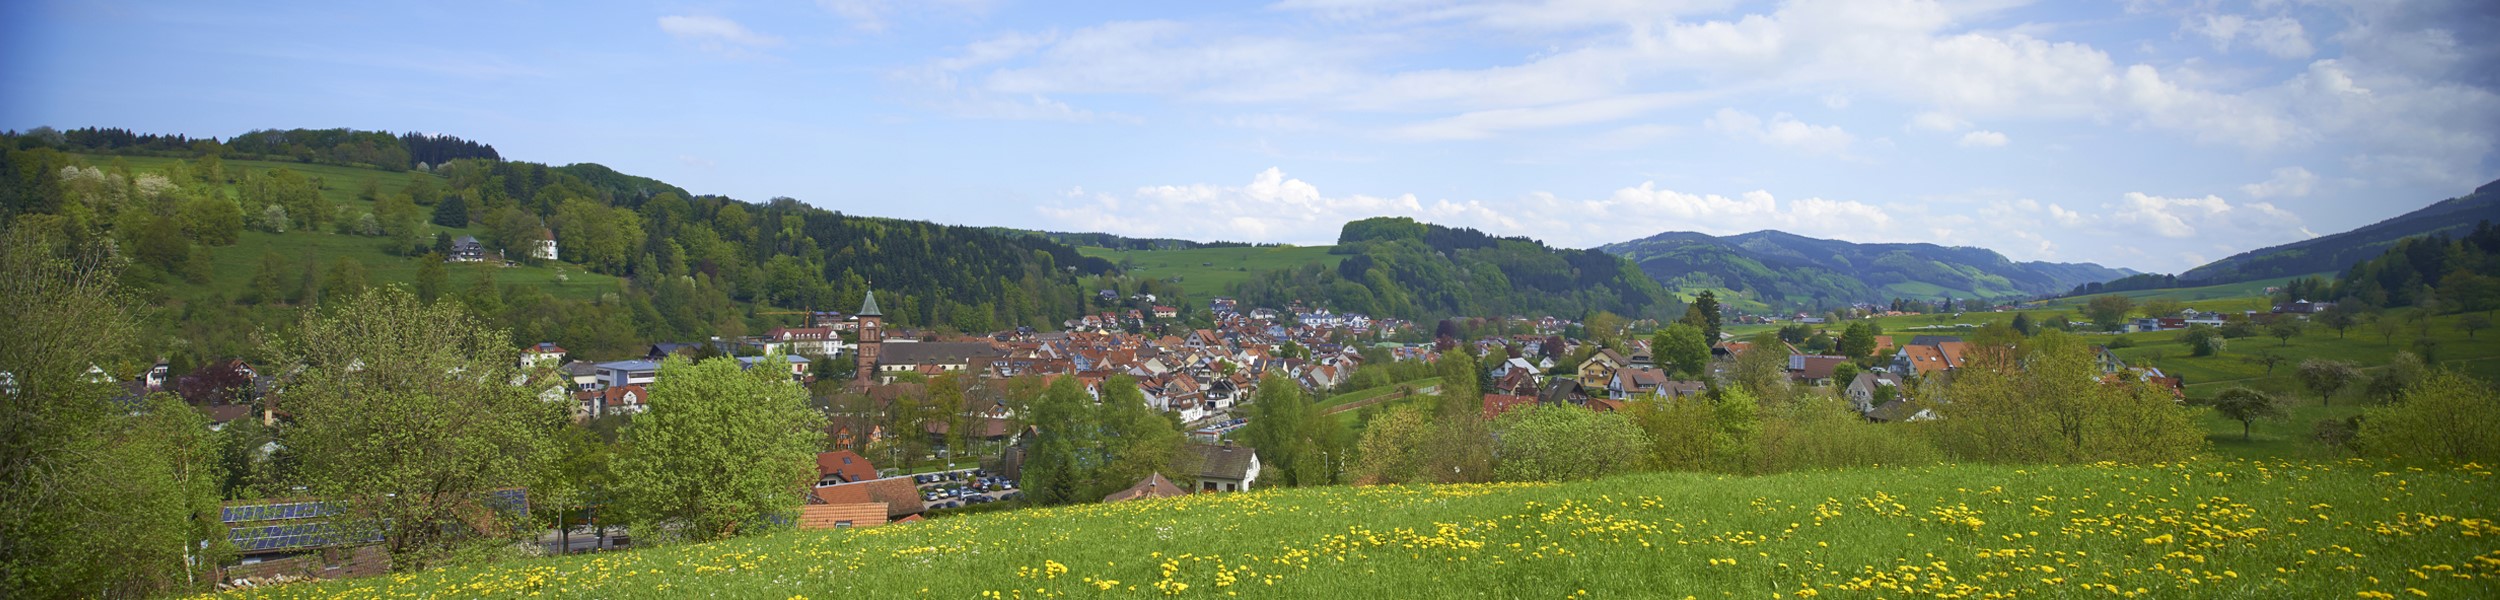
{"x": 2108, "y": 311}
{"x": 722, "y": 451}
{"x": 104, "y": 498}
{"x": 2247, "y": 406}
{"x": 1680, "y": 347}
{"x": 413, "y": 415}
{"x": 2324, "y": 377}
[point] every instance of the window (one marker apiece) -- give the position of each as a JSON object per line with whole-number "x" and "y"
{"x": 841, "y": 524}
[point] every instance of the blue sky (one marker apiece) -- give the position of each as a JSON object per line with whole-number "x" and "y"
{"x": 2147, "y": 134}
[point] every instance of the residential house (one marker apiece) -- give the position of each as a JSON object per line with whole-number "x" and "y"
{"x": 1812, "y": 369}
{"x": 614, "y": 400}
{"x": 1226, "y": 467}
{"x": 1901, "y": 411}
{"x": 1601, "y": 367}
{"x": 899, "y": 494}
{"x": 580, "y": 374}
{"x": 542, "y": 353}
{"x": 820, "y": 342}
{"x": 843, "y": 466}
{"x": 466, "y": 249}
{"x": 1153, "y": 486}
{"x": 1862, "y": 391}
{"x": 628, "y": 372}
{"x": 798, "y": 365}
{"x": 1628, "y": 383}
{"x": 1496, "y": 404}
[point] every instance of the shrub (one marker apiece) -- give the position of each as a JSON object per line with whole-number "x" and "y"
{"x": 2445, "y": 417}
{"x": 1821, "y": 432}
{"x": 1564, "y": 443}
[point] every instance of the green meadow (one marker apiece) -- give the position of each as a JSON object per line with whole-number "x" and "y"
{"x": 1208, "y": 272}
{"x": 233, "y": 266}
{"x": 2208, "y": 528}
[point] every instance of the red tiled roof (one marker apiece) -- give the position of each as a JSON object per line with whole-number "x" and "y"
{"x": 1496, "y": 404}
{"x": 1153, "y": 486}
{"x": 1954, "y": 353}
{"x": 1925, "y": 359}
{"x": 900, "y": 495}
{"x": 847, "y": 465}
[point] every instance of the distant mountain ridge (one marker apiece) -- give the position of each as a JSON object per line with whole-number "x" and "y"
{"x": 2343, "y": 250}
{"x": 1783, "y": 270}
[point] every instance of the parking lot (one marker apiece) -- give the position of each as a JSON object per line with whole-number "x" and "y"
{"x": 956, "y": 489}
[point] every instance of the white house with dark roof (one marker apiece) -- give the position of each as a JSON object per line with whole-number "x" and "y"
{"x": 1226, "y": 467}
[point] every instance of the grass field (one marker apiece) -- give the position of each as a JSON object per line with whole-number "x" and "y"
{"x": 234, "y": 265}
{"x": 1370, "y": 393}
{"x": 2245, "y": 290}
{"x": 1207, "y": 272}
{"x": 2200, "y": 529}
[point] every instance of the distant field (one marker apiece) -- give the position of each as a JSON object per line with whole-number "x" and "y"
{"x": 235, "y": 265}
{"x": 2247, "y": 291}
{"x": 2478, "y": 355}
{"x": 2203, "y": 528}
{"x": 1208, "y": 272}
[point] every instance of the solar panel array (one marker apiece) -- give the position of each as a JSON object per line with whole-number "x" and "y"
{"x": 265, "y": 538}
{"x": 276, "y": 512}
{"x": 278, "y": 534}
{"x": 513, "y": 500}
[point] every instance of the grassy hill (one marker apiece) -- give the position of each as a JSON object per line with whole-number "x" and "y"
{"x": 2206, "y": 528}
{"x": 234, "y": 265}
{"x": 1208, "y": 272}
{"x": 2334, "y": 253}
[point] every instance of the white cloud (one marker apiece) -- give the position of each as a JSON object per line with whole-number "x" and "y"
{"x": 2211, "y": 215}
{"x": 2391, "y": 107}
{"x": 1527, "y": 15}
{"x": 716, "y": 34}
{"x": 2282, "y": 37}
{"x": 1983, "y": 139}
{"x": 2287, "y": 182}
{"x": 1275, "y": 208}
{"x": 876, "y": 15}
{"x": 1781, "y": 130}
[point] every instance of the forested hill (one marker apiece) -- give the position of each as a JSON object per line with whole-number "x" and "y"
{"x": 1403, "y": 268}
{"x": 2341, "y": 251}
{"x": 237, "y": 234}
{"x": 1785, "y": 271}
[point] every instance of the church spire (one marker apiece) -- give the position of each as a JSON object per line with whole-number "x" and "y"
{"x": 868, "y": 308}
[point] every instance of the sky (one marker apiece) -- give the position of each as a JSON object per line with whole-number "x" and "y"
{"x": 2144, "y": 134}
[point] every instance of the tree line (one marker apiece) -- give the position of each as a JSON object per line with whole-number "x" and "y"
{"x": 1398, "y": 267}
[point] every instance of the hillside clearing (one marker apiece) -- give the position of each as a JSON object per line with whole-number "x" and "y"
{"x": 1209, "y": 272}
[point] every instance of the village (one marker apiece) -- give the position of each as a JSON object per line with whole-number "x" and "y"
{"x": 880, "y": 469}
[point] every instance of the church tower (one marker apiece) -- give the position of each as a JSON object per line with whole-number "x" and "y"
{"x": 871, "y": 334}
